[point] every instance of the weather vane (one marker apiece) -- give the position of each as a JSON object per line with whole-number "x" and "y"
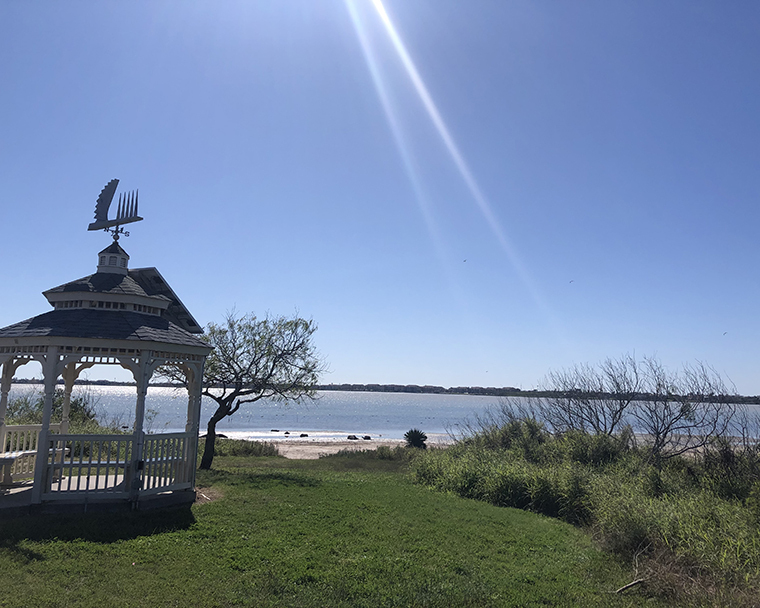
{"x": 125, "y": 214}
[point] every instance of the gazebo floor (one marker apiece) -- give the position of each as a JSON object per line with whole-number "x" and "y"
{"x": 16, "y": 501}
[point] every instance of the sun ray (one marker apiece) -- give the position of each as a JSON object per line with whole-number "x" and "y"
{"x": 457, "y": 158}
{"x": 395, "y": 127}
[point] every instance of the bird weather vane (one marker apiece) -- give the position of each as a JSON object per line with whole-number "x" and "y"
{"x": 125, "y": 214}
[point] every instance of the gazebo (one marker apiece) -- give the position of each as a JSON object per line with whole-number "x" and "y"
{"x": 116, "y": 316}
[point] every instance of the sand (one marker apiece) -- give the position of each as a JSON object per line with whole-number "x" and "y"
{"x": 311, "y": 450}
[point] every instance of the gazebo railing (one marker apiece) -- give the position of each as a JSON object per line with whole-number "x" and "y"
{"x": 166, "y": 463}
{"x": 22, "y": 440}
{"x": 101, "y": 466}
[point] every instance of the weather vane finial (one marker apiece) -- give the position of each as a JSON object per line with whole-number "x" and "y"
{"x": 126, "y": 213}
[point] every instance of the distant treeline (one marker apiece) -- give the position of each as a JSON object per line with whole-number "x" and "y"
{"x": 368, "y": 388}
{"x": 507, "y": 391}
{"x": 491, "y": 391}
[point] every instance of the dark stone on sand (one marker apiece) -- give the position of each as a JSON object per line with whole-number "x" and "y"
{"x": 304, "y": 435}
{"x": 353, "y": 438}
{"x": 367, "y": 438}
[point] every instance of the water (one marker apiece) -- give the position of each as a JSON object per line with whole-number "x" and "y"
{"x": 333, "y": 416}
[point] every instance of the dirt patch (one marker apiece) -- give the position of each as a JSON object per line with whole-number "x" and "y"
{"x": 204, "y": 495}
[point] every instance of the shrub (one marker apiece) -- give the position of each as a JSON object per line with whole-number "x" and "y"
{"x": 242, "y": 447}
{"x": 595, "y": 450}
{"x": 382, "y": 452}
{"x": 415, "y": 438}
{"x": 83, "y": 416}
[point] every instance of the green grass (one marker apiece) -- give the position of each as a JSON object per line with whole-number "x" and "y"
{"x": 690, "y": 528}
{"x": 331, "y": 532}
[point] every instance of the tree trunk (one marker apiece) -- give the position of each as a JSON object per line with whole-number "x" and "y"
{"x": 208, "y": 449}
{"x": 224, "y": 409}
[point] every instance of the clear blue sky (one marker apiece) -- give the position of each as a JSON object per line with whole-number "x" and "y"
{"x": 464, "y": 193}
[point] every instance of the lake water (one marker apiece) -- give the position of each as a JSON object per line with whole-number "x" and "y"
{"x": 333, "y": 416}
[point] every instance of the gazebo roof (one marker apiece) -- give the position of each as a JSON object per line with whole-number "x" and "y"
{"x": 103, "y": 325}
{"x": 139, "y": 282}
{"x": 103, "y": 282}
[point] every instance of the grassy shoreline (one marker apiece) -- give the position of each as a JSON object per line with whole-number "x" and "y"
{"x": 339, "y": 531}
{"x": 689, "y": 525}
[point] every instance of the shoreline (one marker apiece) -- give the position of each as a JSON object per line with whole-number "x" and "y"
{"x": 311, "y": 448}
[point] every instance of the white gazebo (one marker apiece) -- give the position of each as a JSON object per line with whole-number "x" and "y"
{"x": 116, "y": 316}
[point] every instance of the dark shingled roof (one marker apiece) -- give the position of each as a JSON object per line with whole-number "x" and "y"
{"x": 104, "y": 282}
{"x": 155, "y": 285}
{"x": 102, "y": 324}
{"x": 114, "y": 248}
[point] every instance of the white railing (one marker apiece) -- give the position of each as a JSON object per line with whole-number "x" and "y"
{"x": 99, "y": 465}
{"x": 166, "y": 463}
{"x": 22, "y": 440}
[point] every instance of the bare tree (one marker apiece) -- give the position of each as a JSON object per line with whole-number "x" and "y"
{"x": 681, "y": 412}
{"x": 253, "y": 359}
{"x": 591, "y": 399}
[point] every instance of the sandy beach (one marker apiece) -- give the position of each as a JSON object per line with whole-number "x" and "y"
{"x": 297, "y": 448}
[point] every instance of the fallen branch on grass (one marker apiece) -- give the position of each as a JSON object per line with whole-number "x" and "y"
{"x": 638, "y": 581}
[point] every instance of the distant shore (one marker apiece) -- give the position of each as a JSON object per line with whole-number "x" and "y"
{"x": 488, "y": 391}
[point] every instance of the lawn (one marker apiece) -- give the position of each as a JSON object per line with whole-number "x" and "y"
{"x": 333, "y": 532}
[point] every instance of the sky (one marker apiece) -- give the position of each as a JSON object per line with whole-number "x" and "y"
{"x": 458, "y": 193}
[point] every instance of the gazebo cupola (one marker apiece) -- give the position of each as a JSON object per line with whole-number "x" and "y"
{"x": 113, "y": 259}
{"x": 117, "y": 316}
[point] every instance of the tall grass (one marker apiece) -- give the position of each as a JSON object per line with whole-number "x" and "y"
{"x": 383, "y": 452}
{"x": 697, "y": 514}
{"x": 242, "y": 447}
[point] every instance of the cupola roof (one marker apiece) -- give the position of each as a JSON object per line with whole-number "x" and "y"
{"x": 114, "y": 248}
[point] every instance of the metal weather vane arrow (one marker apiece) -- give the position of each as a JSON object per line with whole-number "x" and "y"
{"x": 125, "y": 214}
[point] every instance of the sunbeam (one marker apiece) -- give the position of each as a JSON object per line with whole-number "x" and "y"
{"x": 457, "y": 158}
{"x": 398, "y": 136}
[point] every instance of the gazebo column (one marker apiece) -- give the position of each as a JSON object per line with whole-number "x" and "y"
{"x": 6, "y": 379}
{"x": 194, "y": 382}
{"x": 9, "y": 368}
{"x": 142, "y": 373}
{"x": 50, "y": 377}
{"x": 70, "y": 374}
{"x": 194, "y": 374}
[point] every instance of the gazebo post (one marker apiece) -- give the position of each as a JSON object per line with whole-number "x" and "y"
{"x": 70, "y": 374}
{"x": 5, "y": 388}
{"x": 142, "y": 377}
{"x": 50, "y": 376}
{"x": 194, "y": 377}
{"x": 6, "y": 380}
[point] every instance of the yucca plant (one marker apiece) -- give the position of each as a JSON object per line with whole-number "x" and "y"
{"x": 415, "y": 438}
